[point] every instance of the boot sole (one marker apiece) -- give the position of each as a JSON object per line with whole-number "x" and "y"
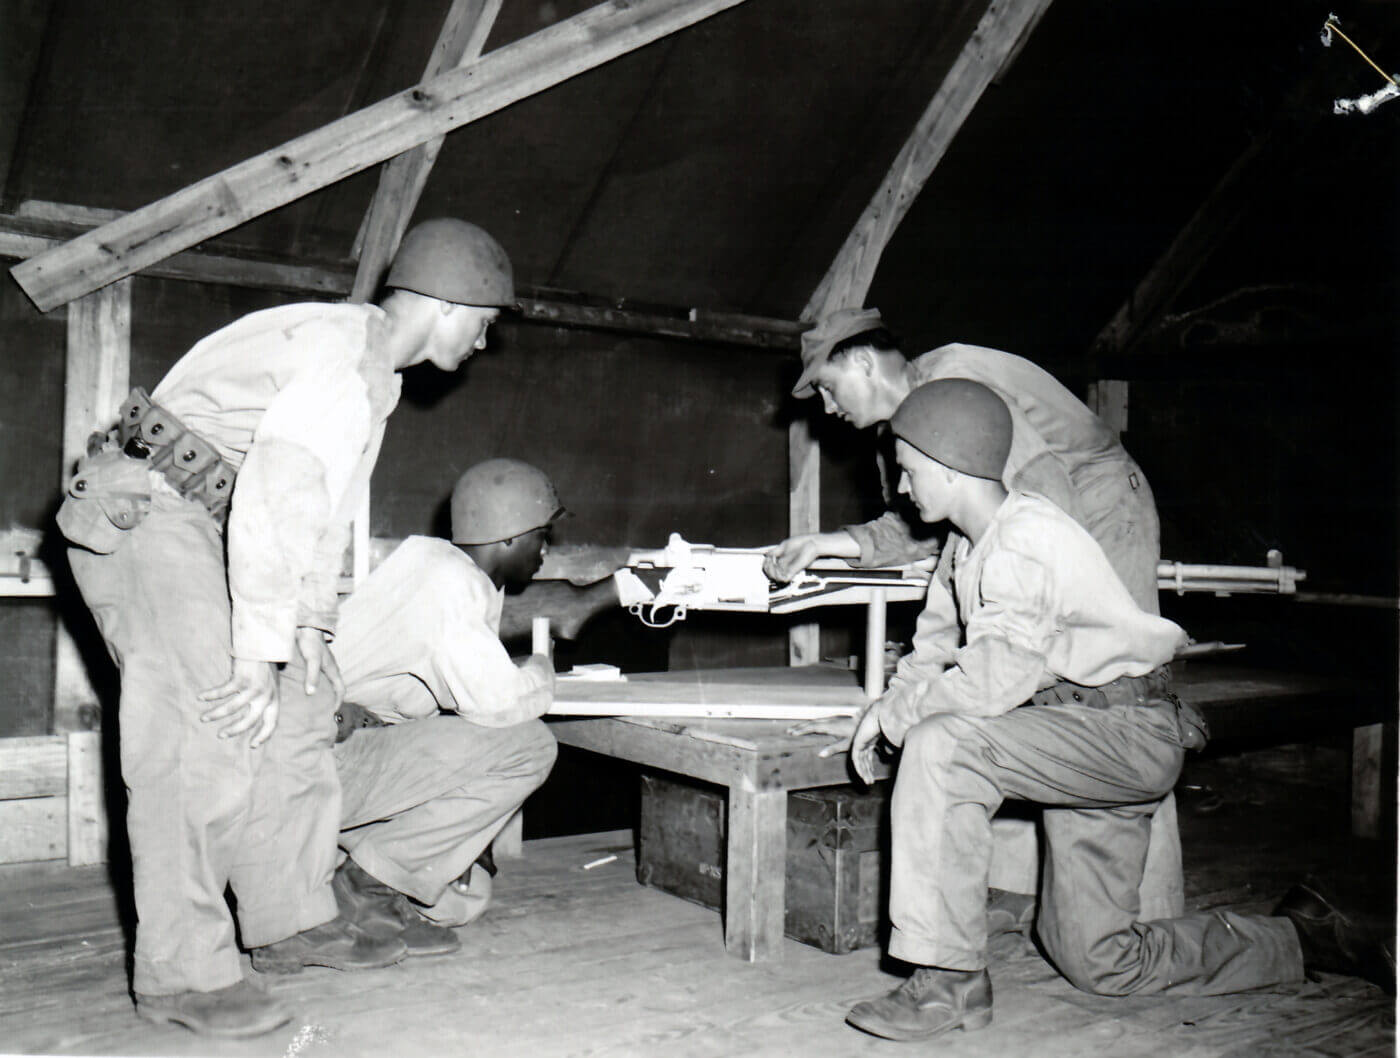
{"x": 174, "y": 1017}
{"x": 297, "y": 965}
{"x": 437, "y": 949}
{"x": 971, "y": 1021}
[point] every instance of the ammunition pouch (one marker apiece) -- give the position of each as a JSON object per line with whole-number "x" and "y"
{"x": 108, "y": 495}
{"x": 350, "y": 717}
{"x": 191, "y": 465}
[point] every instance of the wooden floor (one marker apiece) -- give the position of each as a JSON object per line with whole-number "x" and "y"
{"x": 574, "y": 962}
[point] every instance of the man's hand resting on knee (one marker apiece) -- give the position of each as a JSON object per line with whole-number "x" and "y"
{"x": 249, "y": 697}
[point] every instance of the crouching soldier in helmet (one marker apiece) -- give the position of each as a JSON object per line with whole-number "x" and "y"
{"x": 442, "y": 740}
{"x": 1035, "y": 676}
{"x": 258, "y": 444}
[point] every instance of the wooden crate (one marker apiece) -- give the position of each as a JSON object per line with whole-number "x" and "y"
{"x": 51, "y": 799}
{"x": 835, "y": 876}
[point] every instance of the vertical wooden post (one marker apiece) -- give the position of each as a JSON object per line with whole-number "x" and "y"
{"x": 755, "y": 872}
{"x": 875, "y": 644}
{"x": 87, "y": 804}
{"x": 804, "y": 516}
{"x": 97, "y": 377}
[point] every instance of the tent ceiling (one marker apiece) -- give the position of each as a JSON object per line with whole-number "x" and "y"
{"x": 723, "y": 167}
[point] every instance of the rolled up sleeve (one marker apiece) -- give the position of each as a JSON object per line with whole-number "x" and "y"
{"x": 282, "y": 542}
{"x": 477, "y": 676}
{"x": 889, "y": 541}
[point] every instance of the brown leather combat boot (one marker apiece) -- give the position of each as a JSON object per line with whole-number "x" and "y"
{"x": 339, "y": 944}
{"x": 1339, "y": 939}
{"x": 382, "y": 911}
{"x": 930, "y": 1003}
{"x": 238, "y": 1011}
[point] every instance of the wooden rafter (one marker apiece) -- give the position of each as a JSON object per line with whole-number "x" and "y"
{"x": 24, "y": 236}
{"x": 992, "y": 44}
{"x": 995, "y": 39}
{"x": 365, "y": 138}
{"x": 402, "y": 179}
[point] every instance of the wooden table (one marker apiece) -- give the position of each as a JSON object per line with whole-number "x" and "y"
{"x": 756, "y": 760}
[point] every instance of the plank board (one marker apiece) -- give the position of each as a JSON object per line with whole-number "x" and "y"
{"x": 35, "y": 828}
{"x": 35, "y": 766}
{"x": 767, "y": 694}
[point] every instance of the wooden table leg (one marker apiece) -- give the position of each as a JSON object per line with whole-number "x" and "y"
{"x": 755, "y": 873}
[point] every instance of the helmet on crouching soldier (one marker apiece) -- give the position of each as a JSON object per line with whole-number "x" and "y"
{"x": 959, "y": 423}
{"x": 501, "y": 499}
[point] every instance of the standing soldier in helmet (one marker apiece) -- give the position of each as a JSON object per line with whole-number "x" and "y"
{"x": 441, "y": 739}
{"x": 258, "y": 444}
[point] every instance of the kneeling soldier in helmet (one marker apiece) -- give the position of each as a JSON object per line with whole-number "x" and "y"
{"x": 1035, "y": 676}
{"x": 442, "y": 737}
{"x": 272, "y": 425}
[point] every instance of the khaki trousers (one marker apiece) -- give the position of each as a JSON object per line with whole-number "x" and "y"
{"x": 204, "y": 813}
{"x": 1101, "y": 774}
{"x": 1125, "y": 525}
{"x": 423, "y": 799}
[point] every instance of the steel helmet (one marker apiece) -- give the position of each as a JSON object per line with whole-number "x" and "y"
{"x": 454, "y": 261}
{"x": 500, "y": 499}
{"x": 960, "y": 423}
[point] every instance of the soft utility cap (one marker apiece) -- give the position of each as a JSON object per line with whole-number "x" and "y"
{"x": 455, "y": 261}
{"x": 831, "y": 330}
{"x": 500, "y": 499}
{"x": 960, "y": 423}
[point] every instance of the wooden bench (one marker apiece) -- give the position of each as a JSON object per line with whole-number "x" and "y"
{"x": 759, "y": 764}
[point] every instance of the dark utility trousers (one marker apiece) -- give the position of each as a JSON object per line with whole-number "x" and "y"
{"x": 1100, "y": 773}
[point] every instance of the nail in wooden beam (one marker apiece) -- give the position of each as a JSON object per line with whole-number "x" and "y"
{"x": 355, "y": 142}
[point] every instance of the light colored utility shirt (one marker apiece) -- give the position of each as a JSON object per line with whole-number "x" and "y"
{"x": 1058, "y": 445}
{"x": 295, "y": 399}
{"x": 445, "y": 651}
{"x": 1035, "y": 601}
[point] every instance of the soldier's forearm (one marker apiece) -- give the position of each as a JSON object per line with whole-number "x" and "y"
{"x": 567, "y": 607}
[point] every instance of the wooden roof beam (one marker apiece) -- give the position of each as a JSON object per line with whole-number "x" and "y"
{"x": 355, "y": 142}
{"x": 993, "y": 43}
{"x": 52, "y": 224}
{"x": 402, "y": 178}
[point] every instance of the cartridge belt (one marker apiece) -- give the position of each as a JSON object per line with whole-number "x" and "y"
{"x": 189, "y": 463}
{"x": 1125, "y": 690}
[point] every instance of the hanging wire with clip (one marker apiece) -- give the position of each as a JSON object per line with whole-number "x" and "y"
{"x": 1362, "y": 104}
